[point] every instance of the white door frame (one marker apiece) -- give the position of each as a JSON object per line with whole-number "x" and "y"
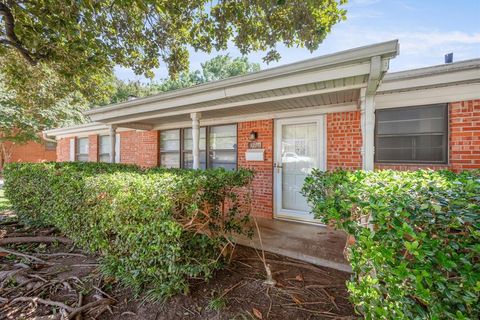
{"x": 278, "y": 211}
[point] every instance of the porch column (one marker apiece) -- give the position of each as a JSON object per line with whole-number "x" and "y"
{"x": 196, "y": 139}
{"x": 113, "y": 140}
{"x": 368, "y": 130}
{"x": 367, "y": 106}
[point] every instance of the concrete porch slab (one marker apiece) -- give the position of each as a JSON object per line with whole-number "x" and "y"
{"x": 307, "y": 242}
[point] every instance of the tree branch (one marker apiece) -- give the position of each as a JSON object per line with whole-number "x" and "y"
{"x": 12, "y": 39}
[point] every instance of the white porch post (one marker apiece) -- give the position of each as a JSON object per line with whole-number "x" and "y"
{"x": 368, "y": 129}
{"x": 196, "y": 139}
{"x": 367, "y": 106}
{"x": 113, "y": 140}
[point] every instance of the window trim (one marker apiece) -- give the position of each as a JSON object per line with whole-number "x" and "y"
{"x": 77, "y": 153}
{"x": 446, "y": 138}
{"x": 207, "y": 145}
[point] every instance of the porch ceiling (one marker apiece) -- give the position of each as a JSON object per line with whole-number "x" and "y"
{"x": 337, "y": 93}
{"x": 332, "y": 80}
{"x": 268, "y": 109}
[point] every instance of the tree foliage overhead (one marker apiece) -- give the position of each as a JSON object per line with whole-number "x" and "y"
{"x": 23, "y": 117}
{"x": 82, "y": 40}
{"x": 217, "y": 68}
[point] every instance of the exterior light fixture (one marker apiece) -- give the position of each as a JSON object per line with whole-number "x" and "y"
{"x": 253, "y": 136}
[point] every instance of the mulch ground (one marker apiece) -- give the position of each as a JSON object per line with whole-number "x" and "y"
{"x": 55, "y": 280}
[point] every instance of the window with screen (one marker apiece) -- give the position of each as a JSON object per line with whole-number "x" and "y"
{"x": 222, "y": 148}
{"x": 82, "y": 149}
{"x": 104, "y": 148}
{"x": 170, "y": 148}
{"x": 412, "y": 134}
{"x": 188, "y": 148}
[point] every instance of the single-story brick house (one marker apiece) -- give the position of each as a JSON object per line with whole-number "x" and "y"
{"x": 341, "y": 110}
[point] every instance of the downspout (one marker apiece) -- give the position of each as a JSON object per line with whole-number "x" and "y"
{"x": 46, "y": 138}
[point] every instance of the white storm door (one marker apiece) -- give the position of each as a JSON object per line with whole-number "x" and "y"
{"x": 299, "y": 148}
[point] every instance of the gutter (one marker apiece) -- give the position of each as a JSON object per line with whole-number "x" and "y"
{"x": 46, "y": 138}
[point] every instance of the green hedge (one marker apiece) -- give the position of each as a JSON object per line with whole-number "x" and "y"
{"x": 155, "y": 229}
{"x": 419, "y": 258}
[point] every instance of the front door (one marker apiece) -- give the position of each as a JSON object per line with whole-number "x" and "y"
{"x": 299, "y": 147}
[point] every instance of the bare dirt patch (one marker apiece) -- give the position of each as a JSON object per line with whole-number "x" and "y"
{"x": 54, "y": 280}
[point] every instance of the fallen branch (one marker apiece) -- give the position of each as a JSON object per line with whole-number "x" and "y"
{"x": 40, "y": 239}
{"x": 293, "y": 264}
{"x": 89, "y": 306}
{"x": 85, "y": 265}
{"x": 9, "y": 223}
{"x": 104, "y": 293}
{"x": 43, "y": 301}
{"x": 322, "y": 286}
{"x": 60, "y": 254}
{"x": 25, "y": 256}
{"x": 231, "y": 288}
{"x": 79, "y": 305}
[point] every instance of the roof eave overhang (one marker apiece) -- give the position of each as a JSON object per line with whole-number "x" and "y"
{"x": 462, "y": 72}
{"x": 334, "y": 66}
{"x": 76, "y": 130}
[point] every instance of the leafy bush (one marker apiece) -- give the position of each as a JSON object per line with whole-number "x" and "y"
{"x": 418, "y": 257}
{"x": 154, "y": 229}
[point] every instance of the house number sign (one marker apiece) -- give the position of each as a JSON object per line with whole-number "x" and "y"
{"x": 255, "y": 145}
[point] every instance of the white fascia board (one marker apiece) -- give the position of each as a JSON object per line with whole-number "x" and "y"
{"x": 214, "y": 90}
{"x": 445, "y": 94}
{"x": 438, "y": 69}
{"x": 82, "y": 130}
{"x": 300, "y": 79}
{"x": 87, "y": 127}
{"x": 462, "y": 76}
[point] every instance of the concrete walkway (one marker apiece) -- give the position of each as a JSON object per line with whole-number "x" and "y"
{"x": 310, "y": 243}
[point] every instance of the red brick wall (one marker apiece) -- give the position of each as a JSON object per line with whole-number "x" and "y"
{"x": 464, "y": 139}
{"x": 139, "y": 147}
{"x": 344, "y": 140}
{"x": 93, "y": 148}
{"x": 262, "y": 202}
{"x": 128, "y": 147}
{"x": 63, "y": 150}
{"x": 465, "y": 135}
{"x": 29, "y": 152}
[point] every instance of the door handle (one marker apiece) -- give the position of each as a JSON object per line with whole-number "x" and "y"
{"x": 278, "y": 165}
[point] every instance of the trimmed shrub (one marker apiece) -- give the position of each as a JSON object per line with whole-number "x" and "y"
{"x": 416, "y": 253}
{"x": 155, "y": 229}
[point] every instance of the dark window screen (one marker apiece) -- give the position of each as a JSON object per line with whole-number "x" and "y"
{"x": 412, "y": 134}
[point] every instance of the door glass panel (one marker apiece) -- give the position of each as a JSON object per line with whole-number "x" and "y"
{"x": 299, "y": 149}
